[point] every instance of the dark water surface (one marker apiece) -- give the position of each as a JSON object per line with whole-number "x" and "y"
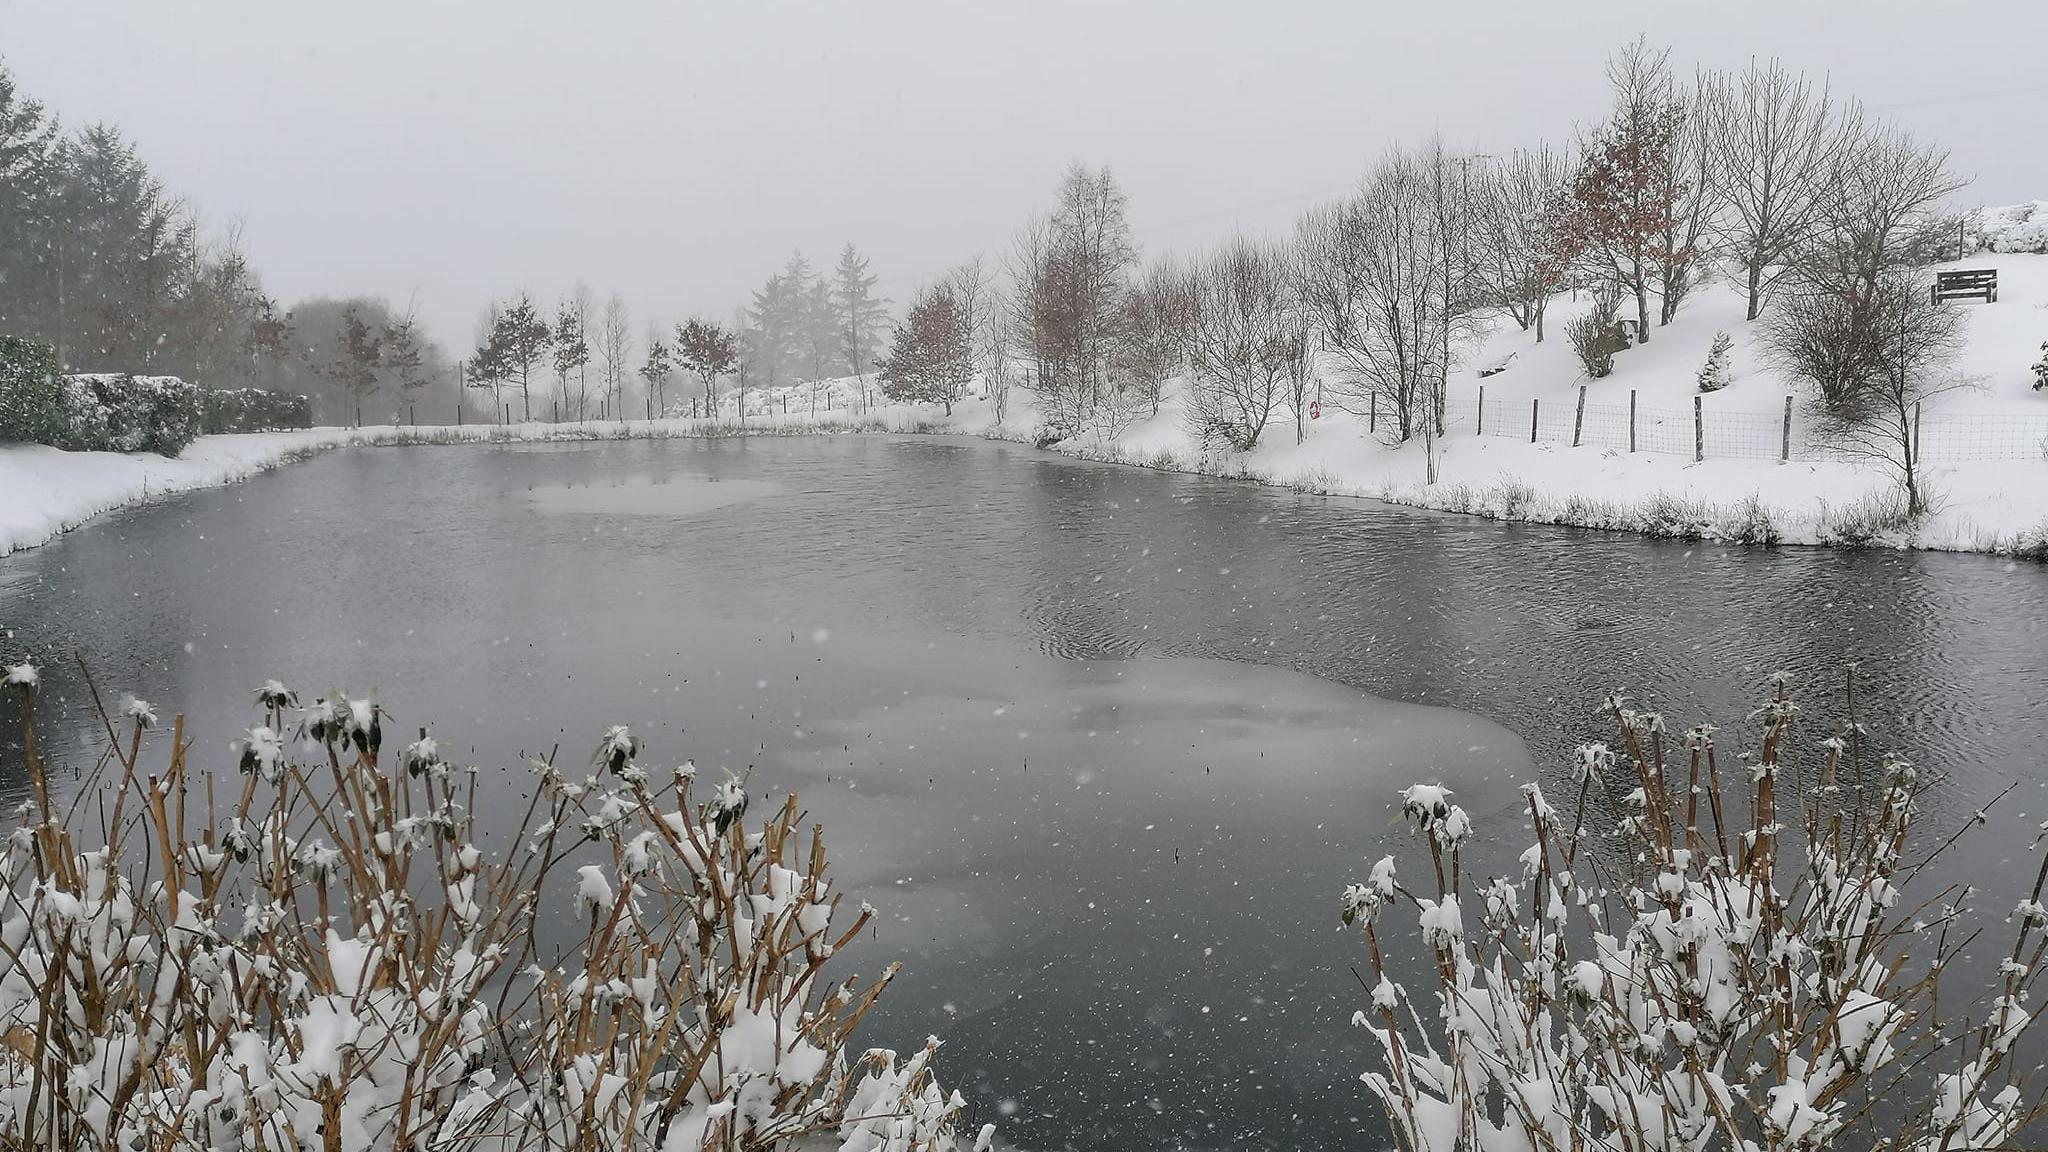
{"x": 1096, "y": 741}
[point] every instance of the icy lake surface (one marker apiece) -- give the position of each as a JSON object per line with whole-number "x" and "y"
{"x": 1102, "y": 744}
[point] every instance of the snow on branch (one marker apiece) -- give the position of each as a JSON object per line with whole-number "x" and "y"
{"x": 342, "y": 959}
{"x": 1736, "y": 967}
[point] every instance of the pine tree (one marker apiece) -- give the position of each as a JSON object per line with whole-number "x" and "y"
{"x": 28, "y": 142}
{"x": 1714, "y": 373}
{"x": 857, "y": 311}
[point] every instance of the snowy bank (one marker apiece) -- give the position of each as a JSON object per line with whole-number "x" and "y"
{"x": 47, "y": 491}
{"x": 1509, "y": 456}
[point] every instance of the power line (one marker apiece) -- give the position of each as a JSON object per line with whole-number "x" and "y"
{"x": 1963, "y": 98}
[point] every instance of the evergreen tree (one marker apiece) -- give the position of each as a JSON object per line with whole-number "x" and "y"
{"x": 857, "y": 312}
{"x": 28, "y": 142}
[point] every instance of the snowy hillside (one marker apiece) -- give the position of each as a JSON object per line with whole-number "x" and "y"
{"x": 1986, "y": 447}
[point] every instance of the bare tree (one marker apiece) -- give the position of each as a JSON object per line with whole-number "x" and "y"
{"x": 1512, "y": 228}
{"x": 1875, "y": 217}
{"x": 1154, "y": 333}
{"x": 1379, "y": 294}
{"x": 1775, "y": 139}
{"x": 1692, "y": 190}
{"x": 615, "y": 348}
{"x": 1622, "y": 198}
{"x": 992, "y": 356}
{"x": 973, "y": 299}
{"x": 1913, "y": 361}
{"x": 1071, "y": 271}
{"x": 1238, "y": 344}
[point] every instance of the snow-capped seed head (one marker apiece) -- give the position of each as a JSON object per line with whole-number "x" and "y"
{"x": 1425, "y": 804}
{"x": 728, "y": 804}
{"x": 1779, "y": 679}
{"x": 1591, "y": 762}
{"x": 1355, "y": 901}
{"x": 262, "y": 754}
{"x": 422, "y": 756}
{"x": 1899, "y": 771}
{"x": 274, "y": 696}
{"x": 361, "y": 726}
{"x": 139, "y": 710}
{"x": 22, "y": 675}
{"x": 615, "y": 750}
{"x": 1699, "y": 737}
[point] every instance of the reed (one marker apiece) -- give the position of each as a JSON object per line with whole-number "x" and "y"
{"x": 1755, "y": 956}
{"x": 321, "y": 948}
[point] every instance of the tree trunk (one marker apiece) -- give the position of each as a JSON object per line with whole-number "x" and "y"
{"x": 1642, "y": 306}
{"x": 1756, "y": 281}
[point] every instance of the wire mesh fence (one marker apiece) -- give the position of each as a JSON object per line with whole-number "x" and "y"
{"x": 1708, "y": 433}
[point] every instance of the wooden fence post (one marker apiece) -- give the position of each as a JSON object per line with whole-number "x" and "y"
{"x": 1533, "y": 403}
{"x": 1785, "y": 447}
{"x": 1481, "y": 430}
{"x": 1699, "y": 432}
{"x": 1579, "y": 420}
{"x": 1631, "y": 419}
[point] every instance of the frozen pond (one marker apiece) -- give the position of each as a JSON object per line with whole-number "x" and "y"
{"x": 1102, "y": 744}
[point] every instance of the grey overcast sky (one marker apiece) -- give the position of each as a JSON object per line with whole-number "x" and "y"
{"x": 676, "y": 152}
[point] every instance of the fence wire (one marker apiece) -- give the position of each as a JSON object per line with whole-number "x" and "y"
{"x": 1726, "y": 435}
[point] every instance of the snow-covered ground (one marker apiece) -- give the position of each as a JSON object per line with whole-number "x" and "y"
{"x": 47, "y": 491}
{"x": 1986, "y": 447}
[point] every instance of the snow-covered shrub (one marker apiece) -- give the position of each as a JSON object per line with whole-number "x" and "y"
{"x": 116, "y": 412}
{"x": 2041, "y": 368}
{"x": 1714, "y": 373}
{"x": 253, "y": 410}
{"x": 1737, "y": 967}
{"x": 330, "y": 953}
{"x": 1595, "y": 335}
{"x": 31, "y": 392}
{"x": 2019, "y": 227}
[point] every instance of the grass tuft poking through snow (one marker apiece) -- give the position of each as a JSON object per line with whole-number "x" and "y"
{"x": 1744, "y": 961}
{"x": 328, "y": 953}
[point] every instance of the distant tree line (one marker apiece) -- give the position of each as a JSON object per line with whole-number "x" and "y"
{"x": 102, "y": 262}
{"x": 536, "y": 363}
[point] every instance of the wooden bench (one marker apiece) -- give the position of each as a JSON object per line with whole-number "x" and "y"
{"x": 1963, "y": 283}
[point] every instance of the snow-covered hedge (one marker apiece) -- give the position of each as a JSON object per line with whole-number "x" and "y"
{"x": 253, "y": 410}
{"x": 1749, "y": 962}
{"x": 117, "y": 412}
{"x": 32, "y": 407}
{"x": 327, "y": 951}
{"x": 2019, "y": 227}
{"x": 96, "y": 412}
